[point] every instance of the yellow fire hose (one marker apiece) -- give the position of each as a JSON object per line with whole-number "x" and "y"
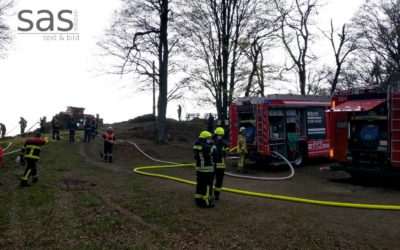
{"x": 139, "y": 170}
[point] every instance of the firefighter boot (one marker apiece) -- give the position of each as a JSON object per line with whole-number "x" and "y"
{"x": 105, "y": 158}
{"x": 35, "y": 179}
{"x": 24, "y": 183}
{"x": 216, "y": 195}
{"x": 110, "y": 160}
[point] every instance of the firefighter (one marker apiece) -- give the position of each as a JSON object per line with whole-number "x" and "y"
{"x": 30, "y": 154}
{"x": 3, "y": 130}
{"x": 241, "y": 148}
{"x": 87, "y": 131}
{"x": 55, "y": 123}
{"x": 109, "y": 141}
{"x": 72, "y": 127}
{"x": 22, "y": 125}
{"x": 93, "y": 130}
{"x": 1, "y": 156}
{"x": 204, "y": 152}
{"x": 43, "y": 124}
{"x": 222, "y": 149}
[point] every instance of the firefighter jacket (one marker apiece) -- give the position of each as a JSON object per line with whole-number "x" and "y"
{"x": 204, "y": 154}
{"x": 55, "y": 123}
{"x": 109, "y": 137}
{"x": 242, "y": 144}
{"x": 221, "y": 151}
{"x": 32, "y": 148}
{"x": 1, "y": 156}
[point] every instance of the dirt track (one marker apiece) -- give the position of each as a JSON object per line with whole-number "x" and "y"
{"x": 279, "y": 224}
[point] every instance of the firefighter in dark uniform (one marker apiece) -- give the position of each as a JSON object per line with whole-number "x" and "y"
{"x": 23, "y": 123}
{"x": 72, "y": 127}
{"x": 204, "y": 151}
{"x": 87, "y": 130}
{"x": 56, "y": 128}
{"x": 30, "y": 154}
{"x": 222, "y": 149}
{"x": 109, "y": 141}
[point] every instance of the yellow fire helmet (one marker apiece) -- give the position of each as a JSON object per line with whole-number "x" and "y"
{"x": 205, "y": 134}
{"x": 219, "y": 131}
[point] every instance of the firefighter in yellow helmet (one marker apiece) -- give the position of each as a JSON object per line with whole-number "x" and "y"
{"x": 222, "y": 149}
{"x": 30, "y": 154}
{"x": 204, "y": 154}
{"x": 241, "y": 148}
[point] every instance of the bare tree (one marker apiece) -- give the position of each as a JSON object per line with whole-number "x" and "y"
{"x": 317, "y": 81}
{"x": 5, "y": 36}
{"x": 346, "y": 45}
{"x": 295, "y": 32}
{"x": 378, "y": 25}
{"x": 138, "y": 37}
{"x": 261, "y": 36}
{"x": 213, "y": 29}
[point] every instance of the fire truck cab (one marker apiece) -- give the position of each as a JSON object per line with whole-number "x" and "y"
{"x": 365, "y": 130}
{"x": 292, "y": 125}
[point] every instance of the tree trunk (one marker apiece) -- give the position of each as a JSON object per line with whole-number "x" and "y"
{"x": 163, "y": 66}
{"x": 336, "y": 78}
{"x": 302, "y": 76}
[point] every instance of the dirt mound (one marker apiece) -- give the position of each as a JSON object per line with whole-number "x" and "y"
{"x": 144, "y": 127}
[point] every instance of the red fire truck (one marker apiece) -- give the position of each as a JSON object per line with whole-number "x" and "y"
{"x": 365, "y": 125}
{"x": 292, "y": 125}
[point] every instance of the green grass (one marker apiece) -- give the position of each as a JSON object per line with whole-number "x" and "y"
{"x": 79, "y": 205}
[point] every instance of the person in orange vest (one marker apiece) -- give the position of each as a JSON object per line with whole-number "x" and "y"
{"x": 109, "y": 141}
{"x": 30, "y": 154}
{"x": 241, "y": 148}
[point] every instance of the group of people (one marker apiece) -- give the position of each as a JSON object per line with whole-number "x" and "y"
{"x": 55, "y": 126}
{"x": 210, "y": 151}
{"x": 90, "y": 129}
{"x": 30, "y": 154}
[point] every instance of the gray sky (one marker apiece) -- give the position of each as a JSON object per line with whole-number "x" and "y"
{"x": 41, "y": 77}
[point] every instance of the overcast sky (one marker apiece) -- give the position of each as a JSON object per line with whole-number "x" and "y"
{"x": 40, "y": 77}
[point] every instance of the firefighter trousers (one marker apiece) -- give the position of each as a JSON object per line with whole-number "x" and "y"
{"x": 71, "y": 135}
{"x": 56, "y": 134}
{"x": 241, "y": 161}
{"x": 30, "y": 170}
{"x": 219, "y": 178}
{"x": 204, "y": 187}
{"x": 108, "y": 151}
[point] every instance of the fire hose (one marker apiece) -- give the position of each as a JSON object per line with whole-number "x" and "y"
{"x": 140, "y": 170}
{"x": 268, "y": 178}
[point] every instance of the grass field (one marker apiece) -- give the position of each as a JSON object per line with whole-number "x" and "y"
{"x": 82, "y": 203}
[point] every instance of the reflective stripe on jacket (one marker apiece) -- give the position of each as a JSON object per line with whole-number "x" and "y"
{"x": 222, "y": 149}
{"x": 32, "y": 148}
{"x": 203, "y": 153}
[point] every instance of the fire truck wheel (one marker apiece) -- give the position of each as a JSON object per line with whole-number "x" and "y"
{"x": 297, "y": 159}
